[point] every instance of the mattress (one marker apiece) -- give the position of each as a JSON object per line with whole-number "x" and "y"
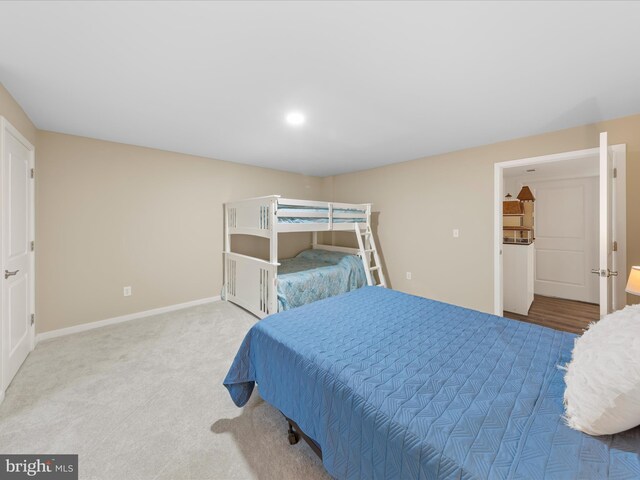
{"x": 321, "y": 211}
{"x": 396, "y": 386}
{"x": 317, "y": 274}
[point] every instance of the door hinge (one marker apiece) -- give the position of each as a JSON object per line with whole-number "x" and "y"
{"x": 615, "y": 173}
{"x": 615, "y": 246}
{"x": 33, "y": 318}
{"x": 33, "y": 173}
{"x": 33, "y": 245}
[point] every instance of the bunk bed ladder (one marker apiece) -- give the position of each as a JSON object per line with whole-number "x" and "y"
{"x": 366, "y": 247}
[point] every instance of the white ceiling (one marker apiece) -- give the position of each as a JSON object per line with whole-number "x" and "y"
{"x": 379, "y": 82}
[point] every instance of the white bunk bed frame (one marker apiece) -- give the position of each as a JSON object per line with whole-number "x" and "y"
{"x": 251, "y": 282}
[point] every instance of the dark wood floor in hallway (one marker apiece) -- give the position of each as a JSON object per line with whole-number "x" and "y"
{"x": 558, "y": 313}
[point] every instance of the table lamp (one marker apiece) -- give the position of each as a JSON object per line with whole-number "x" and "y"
{"x": 633, "y": 285}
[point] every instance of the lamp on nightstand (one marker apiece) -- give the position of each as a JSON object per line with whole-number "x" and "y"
{"x": 633, "y": 285}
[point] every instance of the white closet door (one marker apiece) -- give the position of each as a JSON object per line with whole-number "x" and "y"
{"x": 16, "y": 275}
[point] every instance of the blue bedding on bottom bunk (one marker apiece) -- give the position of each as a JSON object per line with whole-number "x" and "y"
{"x": 316, "y": 274}
{"x": 395, "y": 386}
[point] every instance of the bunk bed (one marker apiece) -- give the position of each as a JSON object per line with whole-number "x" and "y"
{"x": 267, "y": 286}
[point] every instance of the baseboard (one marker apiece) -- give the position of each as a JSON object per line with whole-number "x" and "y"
{"x": 124, "y": 318}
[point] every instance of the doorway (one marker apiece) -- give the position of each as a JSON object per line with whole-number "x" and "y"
{"x": 580, "y": 227}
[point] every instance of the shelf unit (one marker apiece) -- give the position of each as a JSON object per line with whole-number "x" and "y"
{"x": 517, "y": 221}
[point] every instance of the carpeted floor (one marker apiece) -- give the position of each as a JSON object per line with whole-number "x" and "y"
{"x": 144, "y": 400}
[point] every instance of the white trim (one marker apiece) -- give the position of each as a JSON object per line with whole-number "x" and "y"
{"x": 555, "y": 157}
{"x": 497, "y": 205}
{"x": 605, "y": 195}
{"x": 498, "y": 194}
{"x": 14, "y": 131}
{"x": 620, "y": 225}
{"x": 32, "y": 254}
{"x": 123, "y": 318}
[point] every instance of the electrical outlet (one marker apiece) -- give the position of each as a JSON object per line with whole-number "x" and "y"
{"x": 408, "y": 275}
{"x": 127, "y": 291}
{"x": 456, "y": 233}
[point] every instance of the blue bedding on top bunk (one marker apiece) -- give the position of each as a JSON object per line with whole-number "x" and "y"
{"x": 320, "y": 220}
{"x": 396, "y": 386}
{"x": 316, "y": 274}
{"x": 324, "y": 211}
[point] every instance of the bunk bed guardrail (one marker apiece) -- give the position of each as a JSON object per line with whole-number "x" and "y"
{"x": 249, "y": 283}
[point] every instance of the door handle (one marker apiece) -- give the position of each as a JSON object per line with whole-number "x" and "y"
{"x": 8, "y": 274}
{"x": 604, "y": 273}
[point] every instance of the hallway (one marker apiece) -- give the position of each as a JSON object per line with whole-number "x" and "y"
{"x": 560, "y": 314}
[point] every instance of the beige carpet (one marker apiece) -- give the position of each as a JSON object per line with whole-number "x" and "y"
{"x": 144, "y": 400}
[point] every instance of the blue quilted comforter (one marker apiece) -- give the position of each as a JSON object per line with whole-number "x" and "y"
{"x": 400, "y": 387}
{"x": 316, "y": 274}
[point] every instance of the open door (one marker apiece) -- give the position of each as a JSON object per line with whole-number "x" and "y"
{"x": 605, "y": 270}
{"x": 16, "y": 255}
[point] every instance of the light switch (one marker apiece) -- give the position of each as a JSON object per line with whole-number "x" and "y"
{"x": 456, "y": 233}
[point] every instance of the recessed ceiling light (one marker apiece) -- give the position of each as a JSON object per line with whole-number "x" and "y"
{"x": 295, "y": 119}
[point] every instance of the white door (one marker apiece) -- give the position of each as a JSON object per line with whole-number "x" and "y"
{"x": 566, "y": 234}
{"x": 606, "y": 227}
{"x": 17, "y": 260}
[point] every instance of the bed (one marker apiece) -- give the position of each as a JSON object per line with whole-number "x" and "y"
{"x": 316, "y": 274}
{"x": 256, "y": 284}
{"x": 390, "y": 385}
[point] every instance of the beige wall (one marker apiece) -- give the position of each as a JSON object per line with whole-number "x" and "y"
{"x": 422, "y": 201}
{"x": 110, "y": 215}
{"x": 10, "y": 109}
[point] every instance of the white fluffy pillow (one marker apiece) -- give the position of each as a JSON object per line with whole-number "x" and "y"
{"x": 603, "y": 378}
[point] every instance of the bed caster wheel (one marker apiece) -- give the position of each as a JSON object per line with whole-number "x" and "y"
{"x": 293, "y": 437}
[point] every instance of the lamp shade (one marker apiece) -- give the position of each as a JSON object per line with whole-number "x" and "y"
{"x": 633, "y": 285}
